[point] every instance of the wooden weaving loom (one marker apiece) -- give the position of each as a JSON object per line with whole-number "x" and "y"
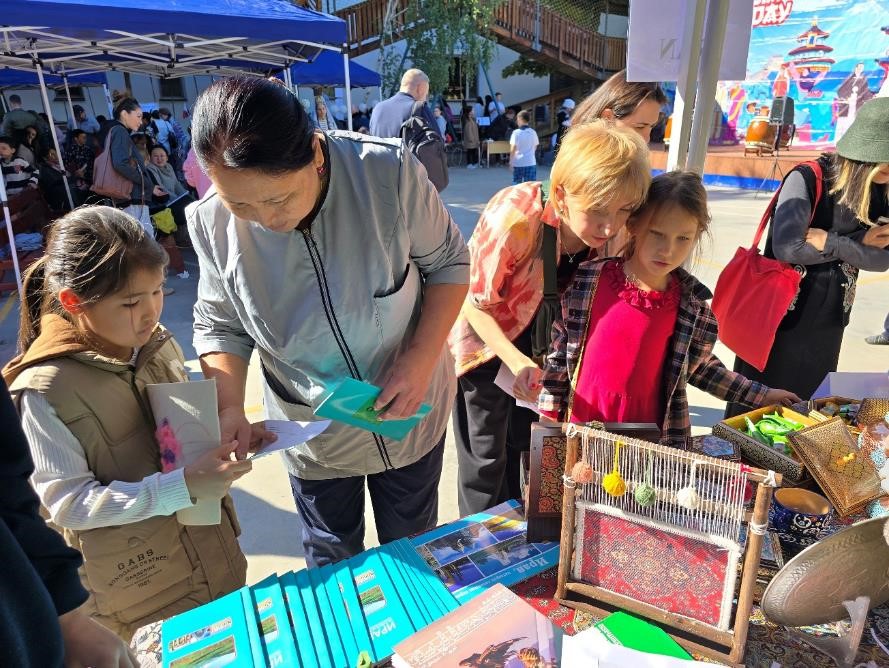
{"x": 654, "y": 531}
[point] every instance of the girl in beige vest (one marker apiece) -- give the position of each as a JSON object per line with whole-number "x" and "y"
{"x": 90, "y": 342}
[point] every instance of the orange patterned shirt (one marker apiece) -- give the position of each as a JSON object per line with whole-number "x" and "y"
{"x": 506, "y": 269}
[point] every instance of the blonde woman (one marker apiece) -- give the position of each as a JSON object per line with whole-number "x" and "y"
{"x": 599, "y": 178}
{"x": 842, "y": 239}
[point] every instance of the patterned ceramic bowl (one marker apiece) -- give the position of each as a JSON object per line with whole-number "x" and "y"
{"x": 800, "y": 517}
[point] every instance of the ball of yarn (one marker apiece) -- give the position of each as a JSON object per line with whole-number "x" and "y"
{"x": 582, "y": 472}
{"x": 645, "y": 495}
{"x": 688, "y": 497}
{"x": 614, "y": 484}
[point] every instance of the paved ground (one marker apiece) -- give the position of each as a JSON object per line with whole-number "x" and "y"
{"x": 265, "y": 506}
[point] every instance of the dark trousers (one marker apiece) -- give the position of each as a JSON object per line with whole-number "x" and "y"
{"x": 471, "y": 156}
{"x": 491, "y": 432}
{"x": 405, "y": 502}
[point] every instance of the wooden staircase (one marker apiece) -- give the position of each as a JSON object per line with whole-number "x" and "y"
{"x": 563, "y": 45}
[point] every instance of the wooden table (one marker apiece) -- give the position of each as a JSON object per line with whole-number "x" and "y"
{"x": 497, "y": 148}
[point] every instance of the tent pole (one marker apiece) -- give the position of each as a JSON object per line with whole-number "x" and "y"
{"x": 348, "y": 86}
{"x": 685, "y": 87}
{"x": 12, "y": 250}
{"x": 108, "y": 100}
{"x": 3, "y": 106}
{"x": 711, "y": 56}
{"x": 288, "y": 80}
{"x": 52, "y": 128}
{"x": 70, "y": 106}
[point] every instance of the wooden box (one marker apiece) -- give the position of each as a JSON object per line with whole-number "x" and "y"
{"x": 735, "y": 430}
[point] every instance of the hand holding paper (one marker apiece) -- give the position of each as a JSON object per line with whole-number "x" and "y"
{"x": 286, "y": 434}
{"x": 211, "y": 476}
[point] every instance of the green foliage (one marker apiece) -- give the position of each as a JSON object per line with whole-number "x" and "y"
{"x": 525, "y": 65}
{"x": 445, "y": 29}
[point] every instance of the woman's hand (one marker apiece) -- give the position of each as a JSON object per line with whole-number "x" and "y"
{"x": 211, "y": 476}
{"x": 877, "y": 236}
{"x": 88, "y": 643}
{"x": 782, "y": 397}
{"x": 816, "y": 237}
{"x": 405, "y": 385}
{"x": 159, "y": 192}
{"x": 527, "y": 381}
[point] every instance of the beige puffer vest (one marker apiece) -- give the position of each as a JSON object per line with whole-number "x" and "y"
{"x": 149, "y": 570}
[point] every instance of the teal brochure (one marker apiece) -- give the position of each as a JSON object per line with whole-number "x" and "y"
{"x": 404, "y": 585}
{"x": 387, "y": 621}
{"x": 253, "y": 628}
{"x": 340, "y": 617}
{"x": 278, "y": 644}
{"x": 428, "y": 577}
{"x": 343, "y": 575}
{"x": 475, "y": 552}
{"x": 316, "y": 625}
{"x": 215, "y": 633}
{"x": 351, "y": 401}
{"x": 331, "y": 631}
{"x": 428, "y": 601}
{"x": 301, "y": 632}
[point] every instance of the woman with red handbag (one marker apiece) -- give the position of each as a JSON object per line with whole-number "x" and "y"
{"x": 840, "y": 240}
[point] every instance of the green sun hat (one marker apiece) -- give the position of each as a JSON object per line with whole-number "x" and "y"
{"x": 867, "y": 139}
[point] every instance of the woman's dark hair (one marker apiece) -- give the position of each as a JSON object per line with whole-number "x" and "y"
{"x": 619, "y": 95}
{"x": 251, "y": 123}
{"x": 25, "y": 134}
{"x": 93, "y": 251}
{"x": 162, "y": 148}
{"x": 488, "y": 100}
{"x": 100, "y": 119}
{"x": 76, "y": 133}
{"x": 123, "y": 101}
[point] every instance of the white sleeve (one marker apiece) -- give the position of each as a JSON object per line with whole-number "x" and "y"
{"x": 70, "y": 491}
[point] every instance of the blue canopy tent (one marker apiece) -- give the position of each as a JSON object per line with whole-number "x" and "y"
{"x": 327, "y": 70}
{"x": 168, "y": 39}
{"x": 10, "y": 78}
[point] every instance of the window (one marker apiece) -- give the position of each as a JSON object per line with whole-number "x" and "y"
{"x": 77, "y": 94}
{"x": 172, "y": 89}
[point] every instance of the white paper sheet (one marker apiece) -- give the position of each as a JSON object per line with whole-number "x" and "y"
{"x": 505, "y": 381}
{"x": 290, "y": 434}
{"x": 590, "y": 648}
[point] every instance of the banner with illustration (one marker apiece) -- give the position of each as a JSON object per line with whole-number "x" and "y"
{"x": 829, "y": 56}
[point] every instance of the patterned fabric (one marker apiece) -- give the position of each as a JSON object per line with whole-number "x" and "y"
{"x": 552, "y": 462}
{"x": 523, "y": 174}
{"x": 676, "y": 573}
{"x": 690, "y": 360}
{"x": 506, "y": 270}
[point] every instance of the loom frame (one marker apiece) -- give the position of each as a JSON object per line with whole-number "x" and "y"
{"x": 692, "y": 635}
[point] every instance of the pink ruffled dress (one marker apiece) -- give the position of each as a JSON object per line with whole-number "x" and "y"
{"x": 623, "y": 364}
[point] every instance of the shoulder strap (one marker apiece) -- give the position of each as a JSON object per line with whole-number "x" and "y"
{"x": 767, "y": 215}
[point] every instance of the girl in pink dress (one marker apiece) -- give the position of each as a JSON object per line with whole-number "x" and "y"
{"x": 636, "y": 330}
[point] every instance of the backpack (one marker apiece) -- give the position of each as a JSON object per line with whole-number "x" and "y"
{"x": 427, "y": 145}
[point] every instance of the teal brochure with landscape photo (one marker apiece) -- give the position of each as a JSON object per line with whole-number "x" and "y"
{"x": 475, "y": 552}
{"x": 341, "y": 621}
{"x": 313, "y": 614}
{"x": 343, "y": 576}
{"x": 438, "y": 595}
{"x": 302, "y": 634}
{"x": 214, "y": 634}
{"x": 331, "y": 631}
{"x": 252, "y": 629}
{"x": 278, "y": 644}
{"x": 351, "y": 401}
{"x": 413, "y": 589}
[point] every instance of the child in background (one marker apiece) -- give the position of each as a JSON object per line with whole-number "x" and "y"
{"x": 522, "y": 156}
{"x": 17, "y": 172}
{"x": 91, "y": 342}
{"x": 470, "y": 137}
{"x": 636, "y": 331}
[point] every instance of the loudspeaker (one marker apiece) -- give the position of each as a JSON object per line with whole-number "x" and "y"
{"x": 782, "y": 111}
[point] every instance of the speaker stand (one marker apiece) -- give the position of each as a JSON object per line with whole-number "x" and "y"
{"x": 775, "y": 166}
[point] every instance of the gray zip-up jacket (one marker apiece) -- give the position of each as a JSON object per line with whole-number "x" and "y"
{"x": 340, "y": 299}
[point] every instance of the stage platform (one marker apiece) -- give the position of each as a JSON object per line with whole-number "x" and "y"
{"x": 728, "y": 166}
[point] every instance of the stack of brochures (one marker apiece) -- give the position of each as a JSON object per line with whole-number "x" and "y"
{"x": 354, "y": 612}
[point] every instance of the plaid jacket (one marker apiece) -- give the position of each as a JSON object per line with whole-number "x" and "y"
{"x": 690, "y": 357}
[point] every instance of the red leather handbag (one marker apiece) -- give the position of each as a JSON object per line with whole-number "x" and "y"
{"x": 754, "y": 292}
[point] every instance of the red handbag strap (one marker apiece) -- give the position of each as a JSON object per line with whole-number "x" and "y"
{"x": 815, "y": 166}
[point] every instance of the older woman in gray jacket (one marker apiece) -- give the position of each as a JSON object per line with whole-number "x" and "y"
{"x": 333, "y": 255}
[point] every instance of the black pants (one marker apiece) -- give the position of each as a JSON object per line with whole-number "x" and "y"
{"x": 405, "y": 502}
{"x": 491, "y": 432}
{"x": 471, "y": 156}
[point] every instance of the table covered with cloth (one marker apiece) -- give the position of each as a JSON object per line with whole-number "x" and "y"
{"x": 767, "y": 643}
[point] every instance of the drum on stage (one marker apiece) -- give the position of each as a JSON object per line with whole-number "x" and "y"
{"x": 760, "y": 137}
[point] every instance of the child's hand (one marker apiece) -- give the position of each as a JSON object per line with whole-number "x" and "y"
{"x": 527, "y": 382}
{"x": 259, "y": 436}
{"x": 211, "y": 476}
{"x": 782, "y": 397}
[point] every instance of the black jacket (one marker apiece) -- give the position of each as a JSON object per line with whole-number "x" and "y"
{"x": 38, "y": 579}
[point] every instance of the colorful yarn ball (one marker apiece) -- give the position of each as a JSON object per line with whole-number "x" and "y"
{"x": 645, "y": 495}
{"x": 688, "y": 497}
{"x": 582, "y": 472}
{"x": 614, "y": 484}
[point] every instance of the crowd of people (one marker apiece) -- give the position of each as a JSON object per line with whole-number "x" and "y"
{"x": 578, "y": 287}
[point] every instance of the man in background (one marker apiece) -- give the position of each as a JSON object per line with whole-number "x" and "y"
{"x": 387, "y": 116}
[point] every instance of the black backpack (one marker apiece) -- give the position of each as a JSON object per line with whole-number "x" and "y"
{"x": 428, "y": 146}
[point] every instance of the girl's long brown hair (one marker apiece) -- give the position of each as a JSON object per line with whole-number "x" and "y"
{"x": 619, "y": 95}
{"x": 93, "y": 251}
